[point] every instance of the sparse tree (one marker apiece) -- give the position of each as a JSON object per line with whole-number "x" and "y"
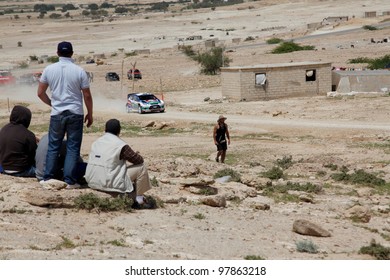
{"x": 93, "y": 7}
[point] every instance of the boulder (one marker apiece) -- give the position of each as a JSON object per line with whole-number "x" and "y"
{"x": 305, "y": 227}
{"x": 214, "y": 201}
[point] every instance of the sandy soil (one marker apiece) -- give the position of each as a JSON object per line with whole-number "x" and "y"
{"x": 317, "y": 133}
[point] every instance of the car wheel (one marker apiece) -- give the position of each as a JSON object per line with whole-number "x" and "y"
{"x": 140, "y": 110}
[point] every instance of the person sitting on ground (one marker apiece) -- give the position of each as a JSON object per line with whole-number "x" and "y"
{"x": 40, "y": 162}
{"x": 107, "y": 168}
{"x": 18, "y": 144}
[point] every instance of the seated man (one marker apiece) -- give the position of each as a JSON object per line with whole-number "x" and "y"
{"x": 40, "y": 161}
{"x": 18, "y": 144}
{"x": 107, "y": 169}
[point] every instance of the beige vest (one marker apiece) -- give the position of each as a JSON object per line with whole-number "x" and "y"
{"x": 105, "y": 171}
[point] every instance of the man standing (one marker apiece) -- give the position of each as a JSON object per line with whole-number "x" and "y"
{"x": 69, "y": 85}
{"x": 107, "y": 168}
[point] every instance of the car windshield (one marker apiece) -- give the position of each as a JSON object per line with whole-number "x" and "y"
{"x": 147, "y": 97}
{"x": 5, "y": 74}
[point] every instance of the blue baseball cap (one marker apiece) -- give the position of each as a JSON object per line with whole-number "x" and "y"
{"x": 65, "y": 48}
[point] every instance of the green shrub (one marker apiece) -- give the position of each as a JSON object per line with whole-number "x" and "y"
{"x": 280, "y": 192}
{"x": 307, "y": 246}
{"x": 274, "y": 41}
{"x": 331, "y": 166}
{"x": 52, "y": 59}
{"x": 154, "y": 181}
{"x": 287, "y": 47}
{"x": 66, "y": 243}
{"x": 235, "y": 176}
{"x": 249, "y": 38}
{"x": 187, "y": 50}
{"x": 253, "y": 257}
{"x": 376, "y": 250}
{"x": 33, "y": 58}
{"x": 23, "y": 65}
{"x": 199, "y": 216}
{"x": 211, "y": 61}
{"x": 91, "y": 201}
{"x": 369, "y": 27}
{"x": 284, "y": 162}
{"x": 274, "y": 173}
{"x": 376, "y": 63}
{"x": 359, "y": 177}
{"x": 362, "y": 177}
{"x": 379, "y": 63}
{"x": 133, "y": 53}
{"x": 360, "y": 60}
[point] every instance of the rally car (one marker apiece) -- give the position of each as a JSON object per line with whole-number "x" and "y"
{"x": 6, "y": 78}
{"x": 144, "y": 103}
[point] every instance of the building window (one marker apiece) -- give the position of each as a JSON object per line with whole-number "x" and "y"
{"x": 310, "y": 75}
{"x": 261, "y": 79}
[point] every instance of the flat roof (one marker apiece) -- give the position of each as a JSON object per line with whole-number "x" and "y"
{"x": 362, "y": 72}
{"x": 277, "y": 65}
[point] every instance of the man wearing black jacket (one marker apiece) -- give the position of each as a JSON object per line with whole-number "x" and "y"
{"x": 18, "y": 144}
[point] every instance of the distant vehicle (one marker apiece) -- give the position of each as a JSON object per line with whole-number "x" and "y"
{"x": 26, "y": 79}
{"x": 29, "y": 79}
{"x": 6, "y": 78}
{"x": 112, "y": 76}
{"x": 144, "y": 103}
{"x": 137, "y": 74}
{"x": 90, "y": 61}
{"x": 37, "y": 76}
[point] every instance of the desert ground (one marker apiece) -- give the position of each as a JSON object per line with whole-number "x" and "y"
{"x": 318, "y": 137}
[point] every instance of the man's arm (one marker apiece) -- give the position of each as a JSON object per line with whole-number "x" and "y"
{"x": 130, "y": 155}
{"x": 42, "y": 93}
{"x": 89, "y": 104}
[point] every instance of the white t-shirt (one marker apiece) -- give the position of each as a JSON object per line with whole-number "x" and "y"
{"x": 65, "y": 80}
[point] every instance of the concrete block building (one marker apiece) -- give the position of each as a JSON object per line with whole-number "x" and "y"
{"x": 271, "y": 81}
{"x": 361, "y": 81}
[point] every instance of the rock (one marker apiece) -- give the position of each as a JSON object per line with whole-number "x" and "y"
{"x": 214, "y": 201}
{"x": 364, "y": 192}
{"x": 306, "y": 198}
{"x": 203, "y": 190}
{"x": 223, "y": 179}
{"x": 206, "y": 99}
{"x": 53, "y": 184}
{"x": 305, "y": 227}
{"x": 255, "y": 180}
{"x": 196, "y": 182}
{"x": 58, "y": 199}
{"x": 149, "y": 124}
{"x": 358, "y": 213}
{"x": 277, "y": 113}
{"x": 261, "y": 206}
{"x": 161, "y": 125}
{"x": 175, "y": 200}
{"x": 384, "y": 209}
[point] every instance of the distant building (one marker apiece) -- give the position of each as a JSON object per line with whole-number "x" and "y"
{"x": 271, "y": 81}
{"x": 369, "y": 14}
{"x": 332, "y": 20}
{"x": 361, "y": 81}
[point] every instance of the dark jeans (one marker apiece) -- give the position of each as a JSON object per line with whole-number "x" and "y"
{"x": 71, "y": 125}
{"x": 30, "y": 172}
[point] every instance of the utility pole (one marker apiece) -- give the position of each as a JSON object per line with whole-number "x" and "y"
{"x": 132, "y": 73}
